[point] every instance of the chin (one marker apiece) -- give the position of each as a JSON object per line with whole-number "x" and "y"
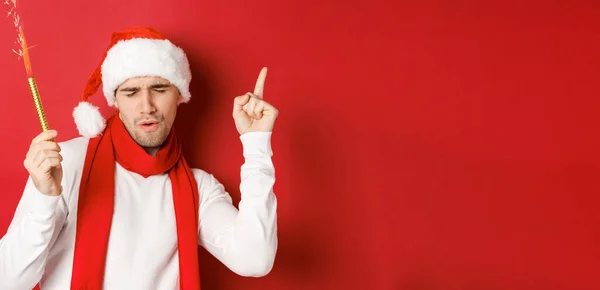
{"x": 151, "y": 139}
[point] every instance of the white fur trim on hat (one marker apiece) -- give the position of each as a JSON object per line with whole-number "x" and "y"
{"x": 139, "y": 57}
{"x": 88, "y": 119}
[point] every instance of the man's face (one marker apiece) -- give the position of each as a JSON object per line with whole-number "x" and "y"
{"x": 147, "y": 106}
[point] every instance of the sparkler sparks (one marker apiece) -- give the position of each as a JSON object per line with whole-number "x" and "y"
{"x": 23, "y": 50}
{"x": 10, "y": 12}
{"x": 16, "y": 20}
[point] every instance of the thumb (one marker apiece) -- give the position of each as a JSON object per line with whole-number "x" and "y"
{"x": 239, "y": 102}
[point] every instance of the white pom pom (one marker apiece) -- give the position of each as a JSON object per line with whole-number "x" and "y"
{"x": 88, "y": 119}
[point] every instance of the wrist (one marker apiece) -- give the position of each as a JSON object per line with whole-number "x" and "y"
{"x": 55, "y": 191}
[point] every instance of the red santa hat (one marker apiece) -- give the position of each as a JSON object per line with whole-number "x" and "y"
{"x": 135, "y": 52}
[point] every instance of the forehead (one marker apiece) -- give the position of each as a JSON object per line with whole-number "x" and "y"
{"x": 144, "y": 82}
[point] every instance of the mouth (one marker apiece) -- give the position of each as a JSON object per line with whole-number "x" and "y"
{"x": 149, "y": 125}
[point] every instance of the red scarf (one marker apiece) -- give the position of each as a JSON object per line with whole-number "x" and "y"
{"x": 97, "y": 198}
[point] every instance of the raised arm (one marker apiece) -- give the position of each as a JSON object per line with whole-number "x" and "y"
{"x": 245, "y": 240}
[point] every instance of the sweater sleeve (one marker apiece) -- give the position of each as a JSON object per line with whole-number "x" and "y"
{"x": 244, "y": 240}
{"x": 24, "y": 248}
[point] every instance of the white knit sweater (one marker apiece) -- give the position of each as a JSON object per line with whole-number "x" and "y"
{"x": 142, "y": 251}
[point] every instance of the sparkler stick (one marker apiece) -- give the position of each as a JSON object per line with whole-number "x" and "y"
{"x": 24, "y": 52}
{"x": 37, "y": 100}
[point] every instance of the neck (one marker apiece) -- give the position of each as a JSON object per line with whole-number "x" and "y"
{"x": 151, "y": 150}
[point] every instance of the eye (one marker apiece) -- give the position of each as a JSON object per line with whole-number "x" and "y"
{"x": 130, "y": 94}
{"x": 160, "y": 89}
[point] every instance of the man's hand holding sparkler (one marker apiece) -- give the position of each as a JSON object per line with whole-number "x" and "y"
{"x": 43, "y": 162}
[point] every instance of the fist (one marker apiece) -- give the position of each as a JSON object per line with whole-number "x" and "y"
{"x": 250, "y": 111}
{"x": 43, "y": 162}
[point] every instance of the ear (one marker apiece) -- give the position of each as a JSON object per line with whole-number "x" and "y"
{"x": 116, "y": 96}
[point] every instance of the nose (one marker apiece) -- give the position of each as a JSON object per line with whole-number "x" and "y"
{"x": 147, "y": 102}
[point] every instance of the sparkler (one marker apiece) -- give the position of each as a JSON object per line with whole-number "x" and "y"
{"x": 23, "y": 51}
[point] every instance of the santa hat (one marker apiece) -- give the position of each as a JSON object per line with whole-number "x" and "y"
{"x": 135, "y": 52}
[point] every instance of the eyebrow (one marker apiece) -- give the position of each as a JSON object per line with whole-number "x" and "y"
{"x": 135, "y": 89}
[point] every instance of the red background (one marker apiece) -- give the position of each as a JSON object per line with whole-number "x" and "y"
{"x": 421, "y": 144}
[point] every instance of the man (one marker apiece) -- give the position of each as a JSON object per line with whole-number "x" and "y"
{"x": 119, "y": 208}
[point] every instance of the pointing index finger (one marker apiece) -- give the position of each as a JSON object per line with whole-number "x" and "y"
{"x": 260, "y": 83}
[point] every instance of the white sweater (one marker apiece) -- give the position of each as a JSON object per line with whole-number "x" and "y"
{"x": 142, "y": 250}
